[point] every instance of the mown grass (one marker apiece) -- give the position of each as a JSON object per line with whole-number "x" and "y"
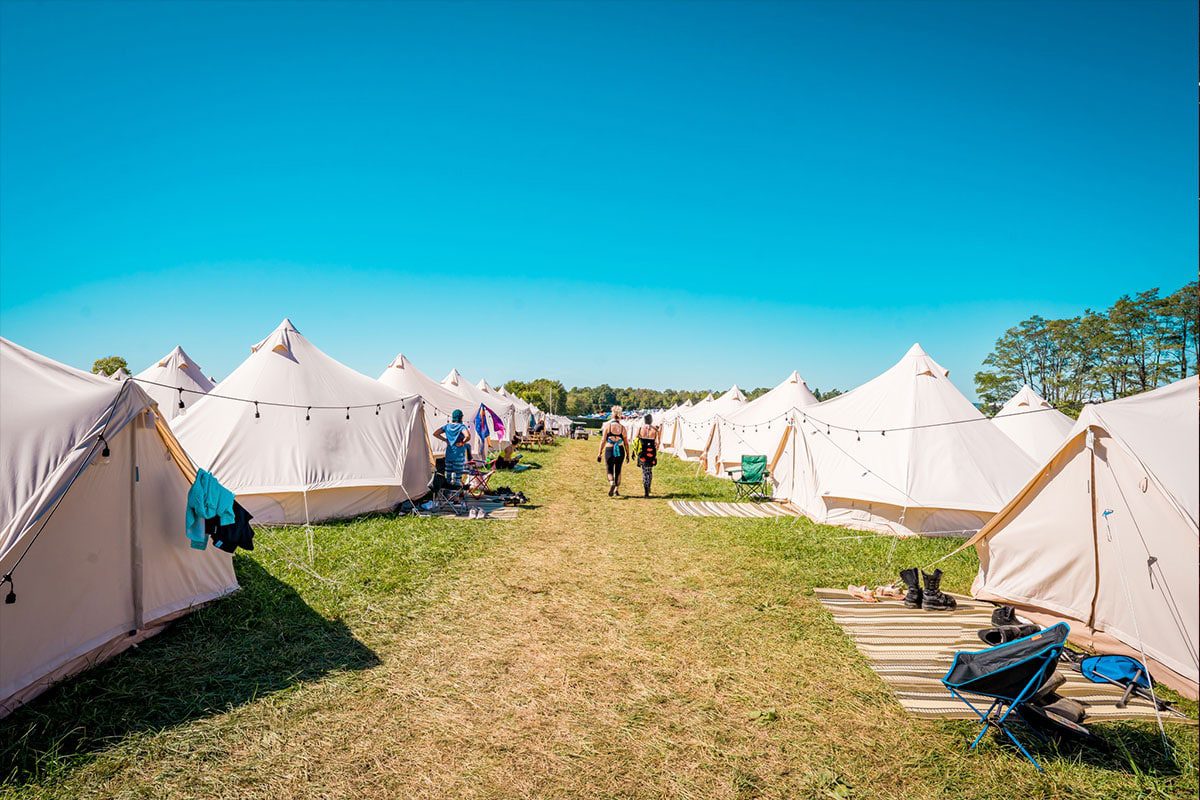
{"x": 293, "y": 623}
{"x": 594, "y": 647}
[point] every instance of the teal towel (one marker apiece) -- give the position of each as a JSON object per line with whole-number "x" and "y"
{"x": 207, "y": 498}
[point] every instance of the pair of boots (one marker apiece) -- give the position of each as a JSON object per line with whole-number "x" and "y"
{"x": 931, "y": 598}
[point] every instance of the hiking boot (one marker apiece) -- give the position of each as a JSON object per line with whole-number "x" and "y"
{"x": 934, "y": 599}
{"x": 912, "y": 598}
{"x": 1006, "y": 633}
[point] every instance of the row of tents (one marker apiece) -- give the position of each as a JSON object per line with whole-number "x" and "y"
{"x": 1093, "y": 520}
{"x": 93, "y": 555}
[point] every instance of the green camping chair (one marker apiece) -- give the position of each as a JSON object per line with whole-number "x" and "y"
{"x": 751, "y": 481}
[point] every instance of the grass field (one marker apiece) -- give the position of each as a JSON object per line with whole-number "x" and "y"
{"x": 593, "y": 647}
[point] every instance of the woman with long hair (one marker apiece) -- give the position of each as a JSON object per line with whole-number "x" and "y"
{"x": 649, "y": 437}
{"x": 614, "y": 450}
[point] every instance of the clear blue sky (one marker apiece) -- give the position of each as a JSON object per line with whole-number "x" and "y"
{"x": 652, "y": 194}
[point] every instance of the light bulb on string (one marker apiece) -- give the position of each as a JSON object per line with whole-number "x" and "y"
{"x": 857, "y": 436}
{"x": 347, "y": 412}
{"x": 308, "y": 414}
{"x": 256, "y": 414}
{"x": 181, "y": 398}
{"x": 377, "y": 411}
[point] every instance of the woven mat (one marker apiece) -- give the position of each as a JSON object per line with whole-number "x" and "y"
{"x": 911, "y": 650}
{"x": 698, "y": 508}
{"x": 491, "y": 510}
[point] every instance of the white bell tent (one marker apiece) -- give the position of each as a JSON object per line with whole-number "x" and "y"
{"x": 92, "y": 507}
{"x": 905, "y": 453}
{"x": 1105, "y": 535}
{"x": 1037, "y": 427}
{"x": 438, "y": 401}
{"x": 693, "y": 427}
{"x": 300, "y": 437}
{"x": 755, "y": 428}
{"x": 520, "y": 407}
{"x": 174, "y": 379}
{"x": 473, "y": 396}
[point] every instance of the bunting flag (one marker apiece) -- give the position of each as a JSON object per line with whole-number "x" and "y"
{"x": 488, "y": 425}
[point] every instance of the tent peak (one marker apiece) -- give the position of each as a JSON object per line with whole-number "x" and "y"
{"x": 923, "y": 363}
{"x": 400, "y": 362}
{"x": 279, "y": 340}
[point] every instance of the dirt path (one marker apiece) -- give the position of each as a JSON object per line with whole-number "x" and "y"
{"x": 597, "y": 653}
{"x": 601, "y": 648}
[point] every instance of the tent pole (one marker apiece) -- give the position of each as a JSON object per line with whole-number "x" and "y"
{"x": 135, "y": 542}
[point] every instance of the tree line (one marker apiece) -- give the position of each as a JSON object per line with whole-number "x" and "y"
{"x": 550, "y": 395}
{"x": 1141, "y": 342}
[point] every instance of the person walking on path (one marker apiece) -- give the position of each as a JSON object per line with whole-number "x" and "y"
{"x": 649, "y": 437}
{"x": 456, "y": 435}
{"x": 614, "y": 450}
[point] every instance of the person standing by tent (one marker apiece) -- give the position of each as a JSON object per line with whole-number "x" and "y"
{"x": 649, "y": 437}
{"x": 456, "y": 435}
{"x": 614, "y": 450}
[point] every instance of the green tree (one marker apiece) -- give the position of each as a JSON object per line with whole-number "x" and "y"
{"x": 109, "y": 365}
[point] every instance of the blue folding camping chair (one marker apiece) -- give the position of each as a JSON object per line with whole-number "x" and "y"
{"x": 1009, "y": 675}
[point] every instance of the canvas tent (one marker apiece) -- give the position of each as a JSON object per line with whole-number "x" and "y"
{"x": 530, "y": 411}
{"x": 693, "y": 427}
{"x": 338, "y": 444}
{"x": 905, "y": 453}
{"x": 1105, "y": 534}
{"x": 499, "y": 397}
{"x": 120, "y": 375}
{"x": 455, "y": 382}
{"x": 164, "y": 380}
{"x": 755, "y": 428}
{"x": 438, "y": 401}
{"x": 1037, "y": 427}
{"x": 94, "y": 543}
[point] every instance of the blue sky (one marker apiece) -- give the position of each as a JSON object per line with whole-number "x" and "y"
{"x": 650, "y": 194}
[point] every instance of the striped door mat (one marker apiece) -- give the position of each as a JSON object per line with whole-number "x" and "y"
{"x": 491, "y": 510}
{"x": 700, "y": 508}
{"x": 911, "y": 650}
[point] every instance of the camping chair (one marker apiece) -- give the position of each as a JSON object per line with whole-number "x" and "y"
{"x": 448, "y": 495}
{"x": 750, "y": 480}
{"x": 1009, "y": 675}
{"x": 476, "y": 479}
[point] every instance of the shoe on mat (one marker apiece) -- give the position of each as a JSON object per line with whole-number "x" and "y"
{"x": 862, "y": 593}
{"x": 911, "y": 579}
{"x": 933, "y": 598}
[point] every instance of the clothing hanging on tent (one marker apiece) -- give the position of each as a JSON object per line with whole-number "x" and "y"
{"x": 231, "y": 537}
{"x": 207, "y": 499}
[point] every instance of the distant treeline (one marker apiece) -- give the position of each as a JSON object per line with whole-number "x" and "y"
{"x": 550, "y": 394}
{"x": 1141, "y": 342}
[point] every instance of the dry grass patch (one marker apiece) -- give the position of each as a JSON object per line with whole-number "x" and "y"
{"x": 600, "y": 648}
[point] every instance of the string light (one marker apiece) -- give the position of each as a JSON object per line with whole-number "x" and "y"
{"x": 347, "y": 412}
{"x": 105, "y": 452}
{"x": 377, "y": 411}
{"x": 181, "y": 398}
{"x": 308, "y": 414}
{"x": 256, "y": 414}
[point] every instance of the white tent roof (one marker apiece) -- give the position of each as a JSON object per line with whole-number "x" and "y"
{"x": 693, "y": 426}
{"x": 905, "y": 453}
{"x": 1036, "y": 426}
{"x": 1106, "y": 533}
{"x": 755, "y": 427}
{"x": 175, "y": 369}
{"x": 405, "y": 379}
{"x": 120, "y": 375}
{"x": 455, "y": 382}
{"x": 304, "y": 460}
{"x": 71, "y": 516}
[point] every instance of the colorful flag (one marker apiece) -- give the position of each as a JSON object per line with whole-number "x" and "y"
{"x": 488, "y": 425}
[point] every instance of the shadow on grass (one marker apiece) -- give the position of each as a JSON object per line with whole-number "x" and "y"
{"x": 261, "y": 640}
{"x": 1125, "y": 747}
